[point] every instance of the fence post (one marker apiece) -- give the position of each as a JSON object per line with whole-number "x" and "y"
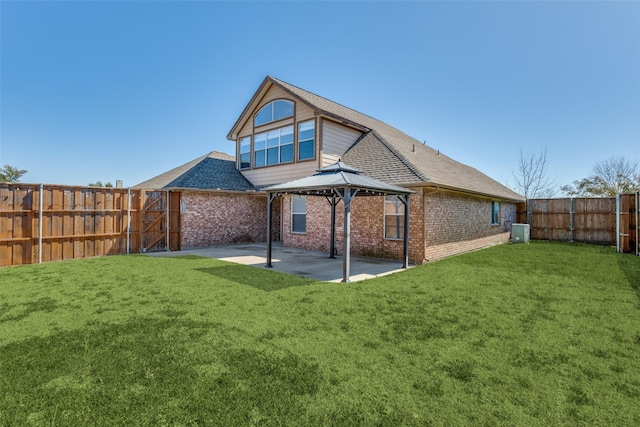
{"x": 128, "y": 220}
{"x": 637, "y": 223}
{"x": 571, "y": 207}
{"x": 167, "y": 205}
{"x": 528, "y": 213}
{"x": 40, "y": 225}
{"x": 618, "y": 223}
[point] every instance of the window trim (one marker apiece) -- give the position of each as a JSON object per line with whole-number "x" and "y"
{"x": 298, "y": 141}
{"x": 240, "y": 153}
{"x": 495, "y": 213}
{"x": 400, "y": 225}
{"x": 293, "y": 114}
{"x": 299, "y": 213}
{"x": 266, "y": 148}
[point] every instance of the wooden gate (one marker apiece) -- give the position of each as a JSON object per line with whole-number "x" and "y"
{"x": 160, "y": 218}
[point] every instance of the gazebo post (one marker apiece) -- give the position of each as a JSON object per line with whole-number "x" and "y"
{"x": 346, "y": 260}
{"x": 405, "y": 258}
{"x": 270, "y": 199}
{"x": 332, "y": 244}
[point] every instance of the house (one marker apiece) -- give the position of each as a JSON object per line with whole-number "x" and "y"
{"x": 286, "y": 133}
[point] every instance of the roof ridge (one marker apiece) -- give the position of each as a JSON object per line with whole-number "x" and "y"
{"x": 282, "y": 82}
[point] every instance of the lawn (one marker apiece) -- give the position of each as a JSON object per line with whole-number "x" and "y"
{"x": 519, "y": 335}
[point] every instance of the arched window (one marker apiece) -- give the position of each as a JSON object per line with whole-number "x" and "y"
{"x": 273, "y": 111}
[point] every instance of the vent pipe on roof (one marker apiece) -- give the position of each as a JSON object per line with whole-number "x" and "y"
{"x": 414, "y": 148}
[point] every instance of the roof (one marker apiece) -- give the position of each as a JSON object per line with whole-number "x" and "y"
{"x": 337, "y": 176}
{"x": 388, "y": 154}
{"x": 213, "y": 171}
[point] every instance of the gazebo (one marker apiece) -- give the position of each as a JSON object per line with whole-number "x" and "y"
{"x": 339, "y": 182}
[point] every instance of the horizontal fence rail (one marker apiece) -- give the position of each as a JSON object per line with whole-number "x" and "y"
{"x": 606, "y": 220}
{"x": 41, "y": 223}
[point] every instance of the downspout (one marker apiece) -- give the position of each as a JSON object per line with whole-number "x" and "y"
{"x": 40, "y": 226}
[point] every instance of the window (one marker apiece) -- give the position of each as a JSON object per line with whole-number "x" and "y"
{"x": 298, "y": 214}
{"x": 273, "y": 147}
{"x": 393, "y": 218}
{"x": 495, "y": 213}
{"x": 306, "y": 138}
{"x": 245, "y": 152}
{"x": 273, "y": 111}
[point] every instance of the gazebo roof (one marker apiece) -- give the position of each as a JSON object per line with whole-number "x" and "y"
{"x": 336, "y": 176}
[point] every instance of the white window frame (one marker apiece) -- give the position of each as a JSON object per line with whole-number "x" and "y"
{"x": 294, "y": 212}
{"x": 399, "y": 216}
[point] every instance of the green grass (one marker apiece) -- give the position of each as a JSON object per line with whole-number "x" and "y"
{"x": 519, "y": 335}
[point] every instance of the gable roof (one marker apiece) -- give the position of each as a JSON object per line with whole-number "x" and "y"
{"x": 388, "y": 154}
{"x": 213, "y": 171}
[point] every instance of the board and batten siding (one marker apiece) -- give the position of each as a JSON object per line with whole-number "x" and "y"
{"x": 270, "y": 175}
{"x": 336, "y": 140}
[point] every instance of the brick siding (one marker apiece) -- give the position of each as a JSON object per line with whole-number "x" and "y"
{"x": 367, "y": 228}
{"x": 222, "y": 218}
{"x": 460, "y": 223}
{"x": 440, "y": 225}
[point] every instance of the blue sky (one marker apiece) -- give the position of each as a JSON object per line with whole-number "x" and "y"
{"x": 100, "y": 91}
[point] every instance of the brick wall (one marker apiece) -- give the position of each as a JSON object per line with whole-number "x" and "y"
{"x": 459, "y": 223}
{"x": 223, "y": 218}
{"x": 367, "y": 228}
{"x": 440, "y": 224}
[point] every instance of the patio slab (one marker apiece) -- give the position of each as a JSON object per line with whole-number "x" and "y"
{"x": 314, "y": 265}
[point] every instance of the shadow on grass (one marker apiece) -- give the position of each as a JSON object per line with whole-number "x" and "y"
{"x": 255, "y": 277}
{"x": 630, "y": 266}
{"x": 151, "y": 372}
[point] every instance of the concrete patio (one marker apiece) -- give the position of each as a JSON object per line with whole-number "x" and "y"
{"x": 314, "y": 265}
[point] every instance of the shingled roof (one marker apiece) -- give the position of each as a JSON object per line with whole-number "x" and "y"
{"x": 213, "y": 171}
{"x": 388, "y": 154}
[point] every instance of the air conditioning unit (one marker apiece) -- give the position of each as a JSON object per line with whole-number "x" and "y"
{"x": 519, "y": 233}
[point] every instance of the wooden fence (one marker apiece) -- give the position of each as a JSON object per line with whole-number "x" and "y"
{"x": 610, "y": 221}
{"x": 40, "y": 223}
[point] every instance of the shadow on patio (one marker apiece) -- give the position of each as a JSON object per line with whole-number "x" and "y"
{"x": 299, "y": 262}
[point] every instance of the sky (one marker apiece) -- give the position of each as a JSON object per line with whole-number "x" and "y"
{"x": 116, "y": 90}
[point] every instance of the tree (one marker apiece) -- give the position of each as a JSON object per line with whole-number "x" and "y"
{"x": 11, "y": 174}
{"x": 532, "y": 176}
{"x": 100, "y": 184}
{"x": 608, "y": 178}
